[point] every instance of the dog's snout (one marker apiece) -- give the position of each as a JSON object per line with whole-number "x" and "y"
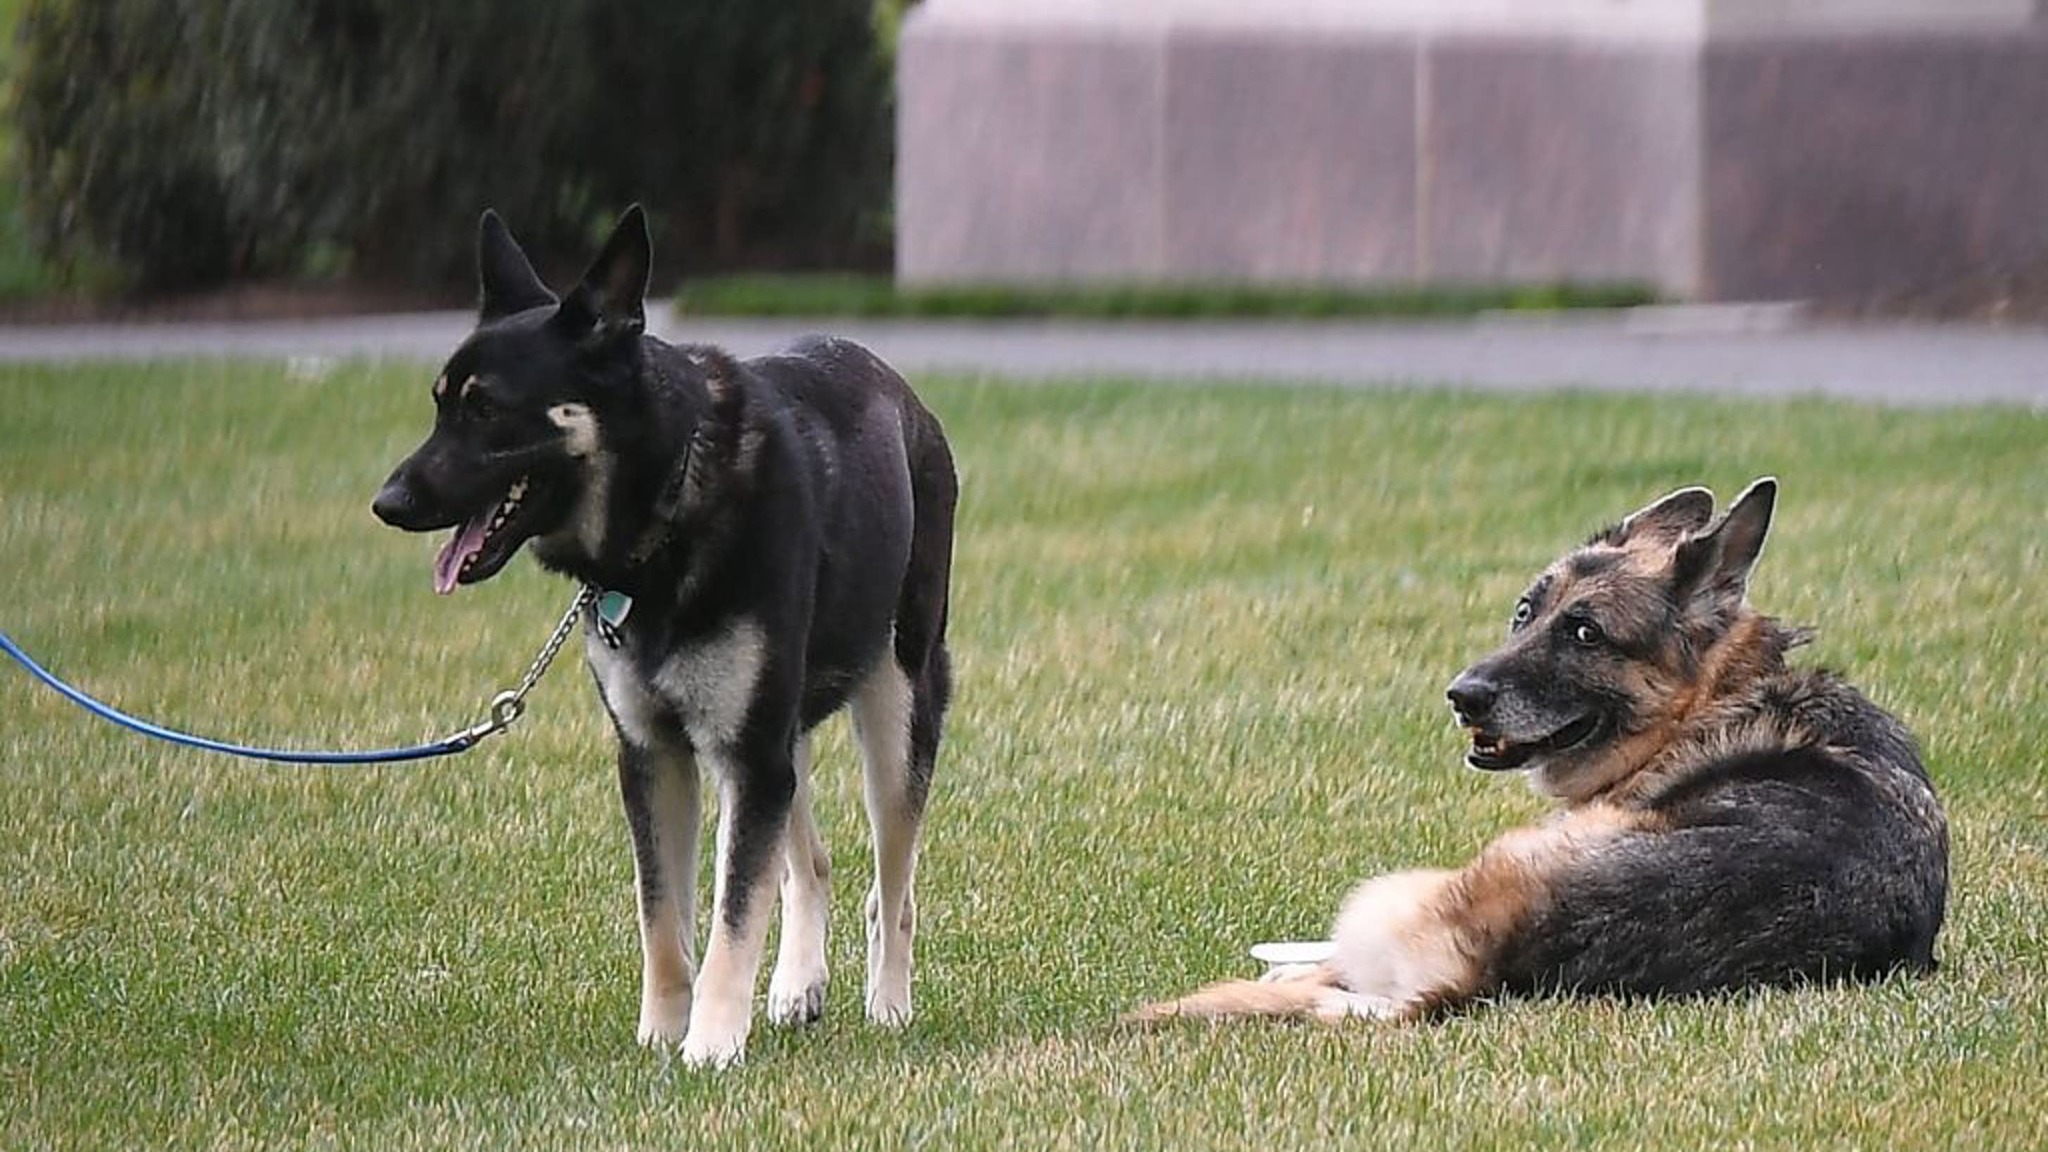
{"x": 1472, "y": 697}
{"x": 393, "y": 504}
{"x": 399, "y": 503}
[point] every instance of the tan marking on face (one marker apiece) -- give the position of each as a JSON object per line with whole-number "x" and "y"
{"x": 1693, "y": 726}
{"x": 440, "y": 386}
{"x": 1663, "y": 687}
{"x": 468, "y": 386}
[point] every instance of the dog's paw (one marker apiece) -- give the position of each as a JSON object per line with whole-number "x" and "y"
{"x": 1338, "y": 1005}
{"x": 718, "y": 1031}
{"x": 889, "y": 1003}
{"x": 888, "y": 986}
{"x": 797, "y": 1000}
{"x": 663, "y": 1023}
{"x": 713, "y": 1052}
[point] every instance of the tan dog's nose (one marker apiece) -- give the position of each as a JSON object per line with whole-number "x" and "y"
{"x": 1472, "y": 697}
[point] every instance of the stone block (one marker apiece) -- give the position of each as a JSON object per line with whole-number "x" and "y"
{"x": 1029, "y": 157}
{"x": 1844, "y": 167}
{"x": 1559, "y": 159}
{"x": 1715, "y": 149}
{"x": 1288, "y": 159}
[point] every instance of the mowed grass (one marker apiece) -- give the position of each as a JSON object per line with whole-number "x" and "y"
{"x": 1201, "y": 637}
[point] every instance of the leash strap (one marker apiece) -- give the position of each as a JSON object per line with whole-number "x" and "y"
{"x": 505, "y": 708}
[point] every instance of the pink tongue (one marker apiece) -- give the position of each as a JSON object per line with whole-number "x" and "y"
{"x": 466, "y": 541}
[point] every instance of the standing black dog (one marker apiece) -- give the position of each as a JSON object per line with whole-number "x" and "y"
{"x": 773, "y": 541}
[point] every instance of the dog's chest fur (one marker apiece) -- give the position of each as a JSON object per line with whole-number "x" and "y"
{"x": 702, "y": 689}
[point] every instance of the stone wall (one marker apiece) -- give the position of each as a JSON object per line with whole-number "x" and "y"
{"x": 1713, "y": 148}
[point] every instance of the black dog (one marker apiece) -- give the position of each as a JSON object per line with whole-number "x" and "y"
{"x": 773, "y": 541}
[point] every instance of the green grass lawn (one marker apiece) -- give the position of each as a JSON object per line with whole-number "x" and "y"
{"x": 1201, "y": 637}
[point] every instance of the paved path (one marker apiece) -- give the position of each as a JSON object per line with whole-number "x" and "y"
{"x": 1656, "y": 351}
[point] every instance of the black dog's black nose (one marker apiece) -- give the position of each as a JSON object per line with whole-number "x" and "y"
{"x": 1472, "y": 697}
{"x": 394, "y": 505}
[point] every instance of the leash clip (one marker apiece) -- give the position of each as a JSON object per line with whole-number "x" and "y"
{"x": 506, "y": 708}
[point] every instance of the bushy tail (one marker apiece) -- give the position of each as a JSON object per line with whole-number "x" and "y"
{"x": 1312, "y": 994}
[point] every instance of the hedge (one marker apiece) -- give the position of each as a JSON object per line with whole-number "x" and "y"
{"x": 193, "y": 141}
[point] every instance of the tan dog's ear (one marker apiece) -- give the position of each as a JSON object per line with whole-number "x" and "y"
{"x": 1671, "y": 518}
{"x": 1715, "y": 564}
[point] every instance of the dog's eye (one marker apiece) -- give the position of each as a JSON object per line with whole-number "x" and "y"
{"x": 1524, "y": 612}
{"x": 1586, "y": 632}
{"x": 479, "y": 406}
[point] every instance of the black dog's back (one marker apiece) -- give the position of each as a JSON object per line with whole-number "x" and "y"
{"x": 880, "y": 459}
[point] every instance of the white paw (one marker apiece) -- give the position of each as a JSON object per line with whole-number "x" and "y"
{"x": 796, "y": 997}
{"x": 889, "y": 998}
{"x": 888, "y": 984}
{"x": 664, "y": 1022}
{"x": 704, "y": 1051}
{"x": 718, "y": 1031}
{"x": 1340, "y": 1005}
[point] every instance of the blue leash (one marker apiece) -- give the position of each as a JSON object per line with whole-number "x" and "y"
{"x": 505, "y": 708}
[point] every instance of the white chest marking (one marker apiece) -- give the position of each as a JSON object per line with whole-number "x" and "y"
{"x": 707, "y": 687}
{"x": 711, "y": 684}
{"x": 638, "y": 713}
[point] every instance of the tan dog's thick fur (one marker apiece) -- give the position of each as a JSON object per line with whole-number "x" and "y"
{"x": 1726, "y": 820}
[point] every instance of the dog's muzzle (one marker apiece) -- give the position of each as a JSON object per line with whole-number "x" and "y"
{"x": 394, "y": 506}
{"x": 1472, "y": 698}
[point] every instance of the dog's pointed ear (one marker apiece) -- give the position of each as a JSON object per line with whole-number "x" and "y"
{"x": 506, "y": 278}
{"x": 1715, "y": 565}
{"x": 1672, "y": 517}
{"x": 611, "y": 301}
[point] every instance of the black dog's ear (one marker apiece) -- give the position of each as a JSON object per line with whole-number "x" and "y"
{"x": 507, "y": 279}
{"x": 1715, "y": 564}
{"x": 611, "y": 300}
{"x": 1673, "y": 517}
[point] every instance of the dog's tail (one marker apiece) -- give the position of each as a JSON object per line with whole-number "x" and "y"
{"x": 1312, "y": 994}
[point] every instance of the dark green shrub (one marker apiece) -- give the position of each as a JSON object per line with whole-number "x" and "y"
{"x": 759, "y": 133}
{"x": 188, "y": 141}
{"x": 111, "y": 163}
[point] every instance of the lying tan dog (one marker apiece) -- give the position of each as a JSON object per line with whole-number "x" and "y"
{"x": 1726, "y": 821}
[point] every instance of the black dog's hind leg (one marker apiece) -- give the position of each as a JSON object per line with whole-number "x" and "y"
{"x": 881, "y": 709}
{"x": 796, "y": 992}
{"x": 659, "y": 787}
{"x": 757, "y": 786}
{"x": 898, "y": 712}
{"x": 896, "y": 722}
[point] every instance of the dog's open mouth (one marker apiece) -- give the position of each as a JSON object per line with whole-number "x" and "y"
{"x": 481, "y": 545}
{"x": 1492, "y": 753}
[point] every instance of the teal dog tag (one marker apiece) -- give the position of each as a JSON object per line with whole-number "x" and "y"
{"x": 612, "y": 609}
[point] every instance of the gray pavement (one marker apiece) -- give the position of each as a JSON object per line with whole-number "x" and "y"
{"x": 1730, "y": 352}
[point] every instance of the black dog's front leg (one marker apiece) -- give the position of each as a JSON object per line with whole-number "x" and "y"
{"x": 658, "y": 785}
{"x": 755, "y": 791}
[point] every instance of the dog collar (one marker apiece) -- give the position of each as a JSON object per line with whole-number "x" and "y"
{"x": 667, "y": 506}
